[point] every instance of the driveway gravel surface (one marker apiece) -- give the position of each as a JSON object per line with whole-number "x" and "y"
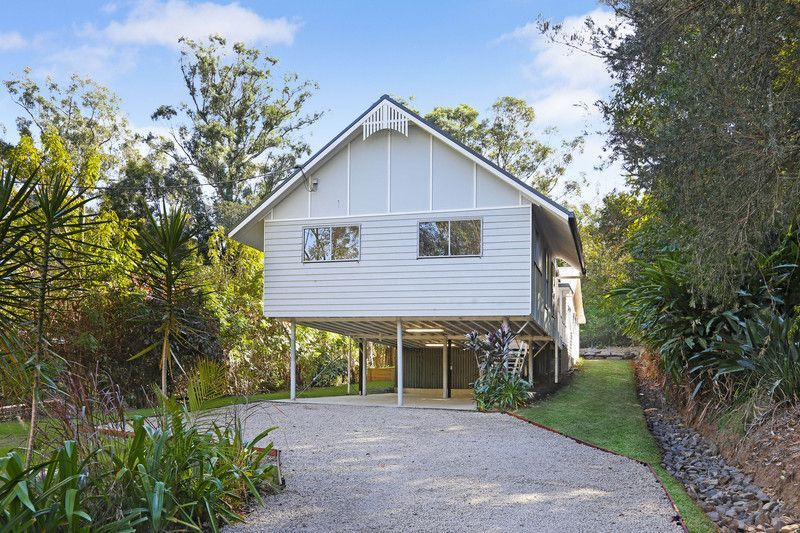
{"x": 358, "y": 468}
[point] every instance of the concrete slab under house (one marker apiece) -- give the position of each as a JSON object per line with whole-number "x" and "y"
{"x": 395, "y": 233}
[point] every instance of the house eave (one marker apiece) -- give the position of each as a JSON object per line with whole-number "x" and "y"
{"x": 527, "y": 192}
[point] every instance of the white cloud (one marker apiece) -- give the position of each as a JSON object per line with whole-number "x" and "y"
{"x": 11, "y": 40}
{"x": 560, "y": 63}
{"x": 152, "y": 22}
{"x": 568, "y": 107}
{"x": 101, "y": 62}
{"x": 565, "y": 83}
{"x": 560, "y": 72}
{"x": 109, "y": 8}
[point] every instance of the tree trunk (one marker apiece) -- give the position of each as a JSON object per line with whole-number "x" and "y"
{"x": 164, "y": 361}
{"x": 40, "y": 311}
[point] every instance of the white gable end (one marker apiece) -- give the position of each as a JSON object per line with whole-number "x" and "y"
{"x": 392, "y": 173}
{"x": 389, "y": 161}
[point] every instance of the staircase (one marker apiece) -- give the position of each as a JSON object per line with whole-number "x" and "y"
{"x": 516, "y": 359}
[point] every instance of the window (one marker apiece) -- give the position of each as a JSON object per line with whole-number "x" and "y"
{"x": 443, "y": 238}
{"x": 331, "y": 243}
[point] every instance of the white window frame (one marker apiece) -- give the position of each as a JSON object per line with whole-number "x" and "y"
{"x": 449, "y": 235}
{"x": 331, "y": 260}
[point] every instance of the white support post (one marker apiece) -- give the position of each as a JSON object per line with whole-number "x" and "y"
{"x": 349, "y": 361}
{"x": 363, "y": 367}
{"x": 293, "y": 360}
{"x": 399, "y": 363}
{"x": 556, "y": 340}
{"x": 445, "y": 368}
{"x": 555, "y": 350}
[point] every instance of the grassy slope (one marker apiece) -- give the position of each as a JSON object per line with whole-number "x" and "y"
{"x": 601, "y": 407}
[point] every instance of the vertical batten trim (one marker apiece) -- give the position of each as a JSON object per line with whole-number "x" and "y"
{"x": 474, "y": 184}
{"x": 308, "y": 188}
{"x": 389, "y": 173}
{"x": 520, "y": 198}
{"x": 430, "y": 174}
{"x": 348, "y": 178}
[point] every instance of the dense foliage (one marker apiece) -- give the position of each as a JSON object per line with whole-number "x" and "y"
{"x": 701, "y": 256}
{"x": 496, "y": 388}
{"x": 169, "y": 474}
{"x": 704, "y": 116}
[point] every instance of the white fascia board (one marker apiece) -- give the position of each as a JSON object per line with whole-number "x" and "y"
{"x": 289, "y": 185}
{"x": 345, "y": 136}
{"x": 478, "y": 161}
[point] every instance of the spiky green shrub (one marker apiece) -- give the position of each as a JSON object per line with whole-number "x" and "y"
{"x": 170, "y": 474}
{"x": 740, "y": 350}
{"x": 496, "y": 388}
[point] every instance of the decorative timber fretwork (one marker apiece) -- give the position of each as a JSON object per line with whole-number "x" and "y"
{"x": 385, "y": 117}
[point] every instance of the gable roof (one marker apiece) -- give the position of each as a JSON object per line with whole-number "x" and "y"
{"x": 552, "y": 215}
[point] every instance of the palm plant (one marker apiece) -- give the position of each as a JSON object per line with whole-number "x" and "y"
{"x": 15, "y": 191}
{"x": 169, "y": 262}
{"x": 58, "y": 254}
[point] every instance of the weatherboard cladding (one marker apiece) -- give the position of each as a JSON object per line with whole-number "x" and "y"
{"x": 243, "y": 231}
{"x": 389, "y": 279}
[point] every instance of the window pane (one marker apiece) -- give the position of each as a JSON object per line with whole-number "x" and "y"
{"x": 345, "y": 242}
{"x": 465, "y": 237}
{"x": 316, "y": 244}
{"x": 433, "y": 237}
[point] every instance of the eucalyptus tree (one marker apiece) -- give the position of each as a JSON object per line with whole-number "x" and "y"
{"x": 239, "y": 128}
{"x": 508, "y": 136}
{"x": 168, "y": 269}
{"x": 84, "y": 114}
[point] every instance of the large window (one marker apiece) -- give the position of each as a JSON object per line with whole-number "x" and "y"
{"x": 331, "y": 243}
{"x": 446, "y": 238}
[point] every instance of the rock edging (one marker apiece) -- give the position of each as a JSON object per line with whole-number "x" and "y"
{"x": 727, "y": 495}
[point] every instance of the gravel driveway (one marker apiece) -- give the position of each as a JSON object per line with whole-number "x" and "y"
{"x": 357, "y": 468}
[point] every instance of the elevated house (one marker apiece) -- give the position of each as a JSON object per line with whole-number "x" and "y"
{"x": 398, "y": 234}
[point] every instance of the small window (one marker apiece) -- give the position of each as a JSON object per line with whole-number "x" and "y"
{"x": 331, "y": 243}
{"x": 443, "y": 238}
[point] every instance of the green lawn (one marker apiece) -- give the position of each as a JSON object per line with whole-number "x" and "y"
{"x": 12, "y": 435}
{"x": 600, "y": 406}
{"x": 373, "y": 387}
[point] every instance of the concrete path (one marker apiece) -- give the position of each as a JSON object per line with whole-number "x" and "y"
{"x": 389, "y": 399}
{"x": 359, "y": 468}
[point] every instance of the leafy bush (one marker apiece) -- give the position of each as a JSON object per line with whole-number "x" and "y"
{"x": 495, "y": 387}
{"x": 174, "y": 474}
{"x": 745, "y": 350}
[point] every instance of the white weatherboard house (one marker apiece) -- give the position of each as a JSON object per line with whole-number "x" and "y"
{"x": 397, "y": 234}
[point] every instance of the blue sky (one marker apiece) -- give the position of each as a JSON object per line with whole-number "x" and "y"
{"x": 442, "y": 53}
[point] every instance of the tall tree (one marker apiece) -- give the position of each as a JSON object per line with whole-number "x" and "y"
{"x": 704, "y": 116}
{"x": 508, "y": 137}
{"x": 56, "y": 252}
{"x": 239, "y": 128}
{"x": 84, "y": 114}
